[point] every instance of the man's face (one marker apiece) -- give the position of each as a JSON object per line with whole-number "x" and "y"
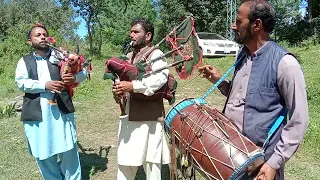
{"x": 38, "y": 37}
{"x": 139, "y": 36}
{"x": 242, "y": 28}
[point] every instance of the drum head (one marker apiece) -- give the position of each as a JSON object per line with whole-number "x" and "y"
{"x": 176, "y": 109}
{"x": 253, "y": 164}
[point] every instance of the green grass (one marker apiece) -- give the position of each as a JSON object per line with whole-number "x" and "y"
{"x": 97, "y": 124}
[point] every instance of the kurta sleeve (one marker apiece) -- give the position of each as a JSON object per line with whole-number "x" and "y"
{"x": 292, "y": 87}
{"x": 26, "y": 84}
{"x": 224, "y": 87}
{"x": 155, "y": 81}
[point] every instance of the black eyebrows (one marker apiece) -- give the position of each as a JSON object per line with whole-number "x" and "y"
{"x": 45, "y": 34}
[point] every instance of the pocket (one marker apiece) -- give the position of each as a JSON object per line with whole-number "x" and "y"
{"x": 267, "y": 89}
{"x": 262, "y": 134}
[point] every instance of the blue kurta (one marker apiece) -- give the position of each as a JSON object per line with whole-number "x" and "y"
{"x": 56, "y": 133}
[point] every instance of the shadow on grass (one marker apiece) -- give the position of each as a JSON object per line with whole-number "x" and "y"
{"x": 165, "y": 173}
{"x": 93, "y": 160}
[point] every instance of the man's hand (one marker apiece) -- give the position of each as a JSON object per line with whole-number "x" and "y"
{"x": 55, "y": 86}
{"x": 266, "y": 173}
{"x": 119, "y": 88}
{"x": 69, "y": 78}
{"x": 210, "y": 72}
{"x": 73, "y": 56}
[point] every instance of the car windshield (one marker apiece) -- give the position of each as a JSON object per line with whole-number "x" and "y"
{"x": 210, "y": 36}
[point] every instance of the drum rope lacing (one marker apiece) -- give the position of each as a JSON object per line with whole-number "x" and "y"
{"x": 195, "y": 128}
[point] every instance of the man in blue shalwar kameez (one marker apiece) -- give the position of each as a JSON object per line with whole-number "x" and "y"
{"x": 49, "y": 128}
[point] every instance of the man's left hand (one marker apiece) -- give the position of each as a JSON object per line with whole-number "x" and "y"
{"x": 266, "y": 173}
{"x": 69, "y": 78}
{"x": 122, "y": 87}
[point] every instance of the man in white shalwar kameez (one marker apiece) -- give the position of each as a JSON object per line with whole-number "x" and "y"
{"x": 141, "y": 132}
{"x": 50, "y": 129}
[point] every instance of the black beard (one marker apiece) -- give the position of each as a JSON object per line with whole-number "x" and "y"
{"x": 42, "y": 47}
{"x": 140, "y": 43}
{"x": 244, "y": 39}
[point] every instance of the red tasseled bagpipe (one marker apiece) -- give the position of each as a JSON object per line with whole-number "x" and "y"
{"x": 121, "y": 69}
{"x": 73, "y": 65}
{"x": 69, "y": 63}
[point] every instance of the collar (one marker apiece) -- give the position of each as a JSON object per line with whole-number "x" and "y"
{"x": 142, "y": 50}
{"x": 40, "y": 57}
{"x": 260, "y": 51}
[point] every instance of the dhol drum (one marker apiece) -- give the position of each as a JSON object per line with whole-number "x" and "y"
{"x": 211, "y": 142}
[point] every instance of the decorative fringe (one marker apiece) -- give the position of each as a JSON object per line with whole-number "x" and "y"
{"x": 141, "y": 70}
{"x": 109, "y": 76}
{"x": 173, "y": 89}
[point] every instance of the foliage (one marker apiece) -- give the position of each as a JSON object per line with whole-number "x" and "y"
{"x": 116, "y": 23}
{"x": 314, "y": 9}
{"x": 289, "y": 21}
{"x": 7, "y": 111}
{"x": 93, "y": 11}
{"x": 208, "y": 14}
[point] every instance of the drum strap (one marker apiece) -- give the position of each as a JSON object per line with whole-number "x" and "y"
{"x": 274, "y": 127}
{"x": 223, "y": 77}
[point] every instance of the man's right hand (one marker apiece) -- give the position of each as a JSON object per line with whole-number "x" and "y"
{"x": 55, "y": 86}
{"x": 210, "y": 72}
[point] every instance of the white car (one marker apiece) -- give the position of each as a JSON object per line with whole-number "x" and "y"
{"x": 213, "y": 44}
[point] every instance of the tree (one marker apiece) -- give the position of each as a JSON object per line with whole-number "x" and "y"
{"x": 117, "y": 23}
{"x": 209, "y": 15}
{"x": 91, "y": 11}
{"x": 18, "y": 16}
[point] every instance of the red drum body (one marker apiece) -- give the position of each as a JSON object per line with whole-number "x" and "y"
{"x": 212, "y": 144}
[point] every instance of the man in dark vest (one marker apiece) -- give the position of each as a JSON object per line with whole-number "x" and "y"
{"x": 141, "y": 132}
{"x": 268, "y": 82}
{"x": 50, "y": 128}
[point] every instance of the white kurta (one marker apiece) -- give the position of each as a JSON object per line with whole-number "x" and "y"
{"x": 56, "y": 132}
{"x": 140, "y": 141}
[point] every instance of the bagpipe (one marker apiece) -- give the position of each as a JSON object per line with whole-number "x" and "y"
{"x": 206, "y": 139}
{"x": 186, "y": 57}
{"x": 69, "y": 62}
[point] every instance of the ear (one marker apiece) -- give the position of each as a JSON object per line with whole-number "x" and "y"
{"x": 148, "y": 36}
{"x": 29, "y": 42}
{"x": 257, "y": 26}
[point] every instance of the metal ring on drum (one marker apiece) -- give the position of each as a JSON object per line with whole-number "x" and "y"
{"x": 213, "y": 144}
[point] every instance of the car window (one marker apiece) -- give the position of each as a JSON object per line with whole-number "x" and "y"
{"x": 210, "y": 36}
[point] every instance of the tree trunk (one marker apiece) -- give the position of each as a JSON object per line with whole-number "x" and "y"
{"x": 90, "y": 33}
{"x": 309, "y": 11}
{"x": 100, "y": 35}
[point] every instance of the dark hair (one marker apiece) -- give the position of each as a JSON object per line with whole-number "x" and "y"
{"x": 34, "y": 26}
{"x": 263, "y": 10}
{"x": 146, "y": 25}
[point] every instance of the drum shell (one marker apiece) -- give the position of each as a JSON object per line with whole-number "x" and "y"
{"x": 211, "y": 141}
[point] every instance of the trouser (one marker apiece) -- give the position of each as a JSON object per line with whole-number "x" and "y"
{"x": 152, "y": 170}
{"x": 68, "y": 166}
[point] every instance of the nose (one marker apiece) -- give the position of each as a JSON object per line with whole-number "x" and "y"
{"x": 43, "y": 37}
{"x": 131, "y": 35}
{"x": 233, "y": 26}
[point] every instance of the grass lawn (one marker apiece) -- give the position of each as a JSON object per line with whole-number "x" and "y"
{"x": 97, "y": 124}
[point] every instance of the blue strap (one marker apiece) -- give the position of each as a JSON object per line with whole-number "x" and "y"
{"x": 222, "y": 78}
{"x": 274, "y": 127}
{"x": 219, "y": 82}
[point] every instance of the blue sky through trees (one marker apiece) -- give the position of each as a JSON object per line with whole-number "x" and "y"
{"x": 82, "y": 30}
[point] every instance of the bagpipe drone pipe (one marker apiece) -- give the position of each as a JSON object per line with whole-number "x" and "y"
{"x": 186, "y": 57}
{"x": 69, "y": 63}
